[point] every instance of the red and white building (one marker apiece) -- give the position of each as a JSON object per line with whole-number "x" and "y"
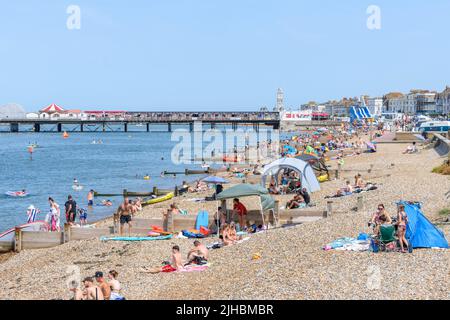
{"x": 55, "y": 112}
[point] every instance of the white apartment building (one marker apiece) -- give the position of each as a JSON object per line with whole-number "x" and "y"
{"x": 375, "y": 105}
{"x": 416, "y": 101}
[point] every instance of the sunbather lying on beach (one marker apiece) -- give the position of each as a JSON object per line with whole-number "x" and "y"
{"x": 345, "y": 191}
{"x": 411, "y": 149}
{"x": 200, "y": 186}
{"x": 197, "y": 254}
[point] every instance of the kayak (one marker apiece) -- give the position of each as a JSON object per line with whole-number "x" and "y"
{"x": 158, "y": 199}
{"x": 16, "y": 193}
{"x": 135, "y": 238}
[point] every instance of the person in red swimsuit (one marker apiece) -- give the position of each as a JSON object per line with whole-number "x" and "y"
{"x": 241, "y": 210}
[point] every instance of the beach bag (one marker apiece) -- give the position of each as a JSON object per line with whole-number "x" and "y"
{"x": 191, "y": 234}
{"x": 116, "y": 296}
{"x": 363, "y": 236}
{"x": 204, "y": 231}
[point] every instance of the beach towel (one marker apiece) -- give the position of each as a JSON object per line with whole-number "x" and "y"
{"x": 348, "y": 244}
{"x": 194, "y": 268}
{"x": 167, "y": 237}
{"x": 192, "y": 235}
{"x": 32, "y": 213}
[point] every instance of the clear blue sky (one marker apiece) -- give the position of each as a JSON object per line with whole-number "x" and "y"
{"x": 217, "y": 54}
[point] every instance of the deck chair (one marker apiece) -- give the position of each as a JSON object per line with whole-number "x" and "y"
{"x": 387, "y": 235}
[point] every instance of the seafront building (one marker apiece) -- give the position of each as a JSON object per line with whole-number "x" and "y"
{"x": 416, "y": 101}
{"x": 443, "y": 101}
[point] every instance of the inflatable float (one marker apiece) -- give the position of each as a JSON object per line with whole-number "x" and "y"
{"x": 158, "y": 199}
{"x": 323, "y": 178}
{"x": 167, "y": 237}
{"x": 16, "y": 193}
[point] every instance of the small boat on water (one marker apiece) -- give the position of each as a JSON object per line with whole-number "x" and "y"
{"x": 7, "y": 237}
{"x": 435, "y": 126}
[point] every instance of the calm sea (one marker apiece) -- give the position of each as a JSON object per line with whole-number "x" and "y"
{"x": 120, "y": 162}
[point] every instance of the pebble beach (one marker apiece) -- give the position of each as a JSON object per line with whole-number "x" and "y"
{"x": 293, "y": 264}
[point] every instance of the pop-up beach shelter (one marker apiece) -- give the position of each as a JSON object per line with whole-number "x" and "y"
{"x": 316, "y": 163}
{"x": 248, "y": 190}
{"x": 307, "y": 177}
{"x": 420, "y": 232}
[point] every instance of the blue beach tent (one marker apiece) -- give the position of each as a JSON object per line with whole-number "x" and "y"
{"x": 359, "y": 113}
{"x": 420, "y": 232}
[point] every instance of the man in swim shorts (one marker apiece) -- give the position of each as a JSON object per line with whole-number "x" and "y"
{"x": 125, "y": 213}
{"x": 90, "y": 198}
{"x": 199, "y": 251}
{"x": 71, "y": 210}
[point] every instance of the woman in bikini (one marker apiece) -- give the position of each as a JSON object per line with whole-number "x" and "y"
{"x": 376, "y": 218}
{"x": 226, "y": 235}
{"x": 232, "y": 232}
{"x": 402, "y": 221}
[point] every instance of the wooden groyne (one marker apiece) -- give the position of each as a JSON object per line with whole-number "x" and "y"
{"x": 24, "y": 240}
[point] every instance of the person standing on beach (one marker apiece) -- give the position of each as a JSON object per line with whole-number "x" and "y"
{"x": 71, "y": 210}
{"x": 53, "y": 217}
{"x": 402, "y": 221}
{"x": 125, "y": 212}
{"x": 241, "y": 211}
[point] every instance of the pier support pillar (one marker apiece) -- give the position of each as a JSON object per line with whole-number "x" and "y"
{"x": 169, "y": 127}
{"x": 125, "y": 127}
{"x": 191, "y": 126}
{"x": 213, "y": 125}
{"x": 103, "y": 127}
{"x": 148, "y": 127}
{"x": 59, "y": 126}
{"x": 37, "y": 127}
{"x": 14, "y": 127}
{"x": 81, "y": 127}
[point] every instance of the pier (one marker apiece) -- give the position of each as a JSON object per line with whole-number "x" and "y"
{"x": 128, "y": 120}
